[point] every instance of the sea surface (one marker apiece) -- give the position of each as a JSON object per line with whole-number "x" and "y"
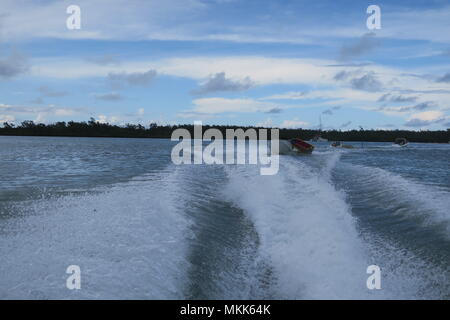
{"x": 140, "y": 227}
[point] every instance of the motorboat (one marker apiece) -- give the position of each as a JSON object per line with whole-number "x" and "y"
{"x": 295, "y": 145}
{"x": 318, "y": 138}
{"x": 401, "y": 142}
{"x": 338, "y": 144}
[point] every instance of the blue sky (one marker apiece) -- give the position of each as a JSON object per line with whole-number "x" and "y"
{"x": 271, "y": 63}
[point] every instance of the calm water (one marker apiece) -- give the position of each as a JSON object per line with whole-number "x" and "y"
{"x": 140, "y": 227}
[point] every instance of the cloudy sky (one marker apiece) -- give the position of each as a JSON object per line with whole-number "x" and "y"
{"x": 241, "y": 62}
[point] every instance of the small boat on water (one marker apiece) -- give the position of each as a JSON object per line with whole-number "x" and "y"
{"x": 318, "y": 138}
{"x": 295, "y": 146}
{"x": 401, "y": 142}
{"x": 302, "y": 146}
{"x": 338, "y": 144}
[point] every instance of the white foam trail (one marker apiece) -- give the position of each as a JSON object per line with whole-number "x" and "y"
{"x": 129, "y": 242}
{"x": 431, "y": 202}
{"x": 405, "y": 275}
{"x": 407, "y": 272}
{"x": 306, "y": 230}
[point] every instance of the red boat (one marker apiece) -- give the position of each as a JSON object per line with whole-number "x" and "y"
{"x": 301, "y": 146}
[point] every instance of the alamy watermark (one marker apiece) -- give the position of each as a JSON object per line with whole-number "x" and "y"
{"x": 73, "y": 22}
{"x": 374, "y": 280}
{"x": 74, "y": 280}
{"x": 374, "y": 20}
{"x": 236, "y": 148}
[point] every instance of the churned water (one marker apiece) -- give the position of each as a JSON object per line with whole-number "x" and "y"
{"x": 141, "y": 227}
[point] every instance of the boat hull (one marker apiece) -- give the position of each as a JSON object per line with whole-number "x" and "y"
{"x": 302, "y": 146}
{"x": 295, "y": 146}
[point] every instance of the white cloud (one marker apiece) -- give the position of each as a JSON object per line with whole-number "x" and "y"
{"x": 427, "y": 118}
{"x": 261, "y": 70}
{"x": 294, "y": 124}
{"x": 65, "y": 112}
{"x": 124, "y": 118}
{"x": 291, "y": 95}
{"x": 101, "y": 118}
{"x": 39, "y": 113}
{"x": 428, "y": 115}
{"x": 341, "y": 95}
{"x": 6, "y": 118}
{"x": 313, "y": 73}
{"x": 223, "y": 105}
{"x": 268, "y": 123}
{"x": 195, "y": 115}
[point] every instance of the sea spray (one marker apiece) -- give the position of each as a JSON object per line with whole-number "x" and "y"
{"x": 306, "y": 231}
{"x": 129, "y": 241}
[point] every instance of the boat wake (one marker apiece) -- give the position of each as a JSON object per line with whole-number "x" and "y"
{"x": 227, "y": 232}
{"x": 314, "y": 239}
{"x": 311, "y": 244}
{"x": 398, "y": 196}
{"x": 407, "y": 226}
{"x": 128, "y": 241}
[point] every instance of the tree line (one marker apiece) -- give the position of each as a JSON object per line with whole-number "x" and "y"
{"x": 92, "y": 128}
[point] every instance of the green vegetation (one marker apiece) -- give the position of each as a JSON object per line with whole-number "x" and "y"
{"x": 95, "y": 129}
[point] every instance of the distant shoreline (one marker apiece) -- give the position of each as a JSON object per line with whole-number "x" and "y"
{"x": 168, "y": 138}
{"x": 93, "y": 129}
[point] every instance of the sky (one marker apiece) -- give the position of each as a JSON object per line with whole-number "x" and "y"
{"x": 291, "y": 64}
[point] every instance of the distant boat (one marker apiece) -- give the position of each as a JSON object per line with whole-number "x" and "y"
{"x": 338, "y": 144}
{"x": 401, "y": 142}
{"x": 295, "y": 146}
{"x": 318, "y": 138}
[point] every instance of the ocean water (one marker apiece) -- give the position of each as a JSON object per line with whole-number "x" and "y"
{"x": 141, "y": 227}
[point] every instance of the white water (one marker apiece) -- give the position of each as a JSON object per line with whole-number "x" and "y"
{"x": 312, "y": 244}
{"x": 430, "y": 202}
{"x": 132, "y": 240}
{"x": 128, "y": 242}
